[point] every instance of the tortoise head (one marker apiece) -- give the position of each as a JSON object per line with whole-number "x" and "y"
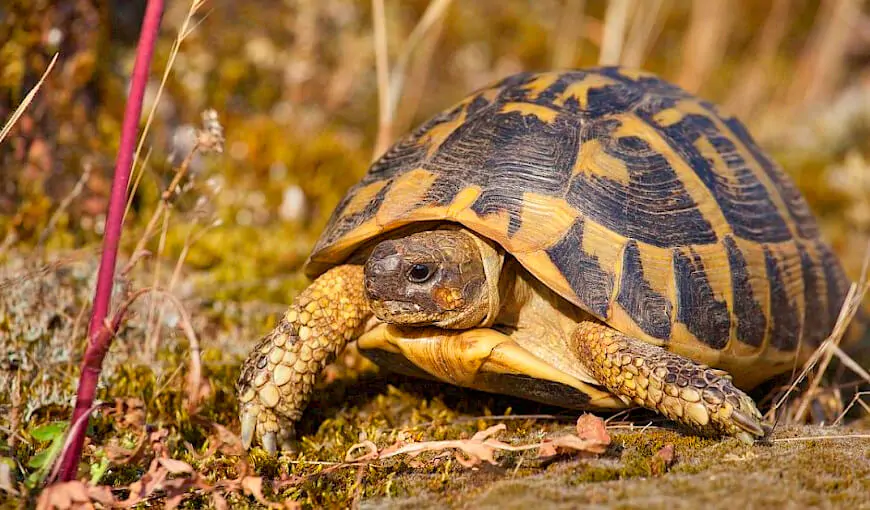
{"x": 447, "y": 278}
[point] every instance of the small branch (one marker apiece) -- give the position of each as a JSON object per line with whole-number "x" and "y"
{"x": 162, "y": 206}
{"x": 100, "y": 336}
{"x": 645, "y": 29}
{"x": 569, "y": 33}
{"x": 433, "y": 14}
{"x": 27, "y": 100}
{"x": 64, "y": 205}
{"x": 615, "y": 20}
{"x": 382, "y": 66}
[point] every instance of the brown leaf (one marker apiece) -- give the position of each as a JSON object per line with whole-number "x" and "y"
{"x": 591, "y": 427}
{"x": 176, "y": 467}
{"x": 253, "y": 486}
{"x": 473, "y": 451}
{"x": 6, "y": 478}
{"x": 63, "y": 496}
{"x": 219, "y": 501}
{"x": 102, "y": 494}
{"x": 663, "y": 460}
{"x": 592, "y": 438}
{"x": 547, "y": 449}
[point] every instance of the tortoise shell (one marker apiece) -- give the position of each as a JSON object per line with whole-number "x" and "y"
{"x": 626, "y": 195}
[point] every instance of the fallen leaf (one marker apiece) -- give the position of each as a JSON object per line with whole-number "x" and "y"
{"x": 471, "y": 452}
{"x": 63, "y": 496}
{"x": 592, "y": 437}
{"x": 102, "y": 494}
{"x": 253, "y": 486}
{"x": 219, "y": 501}
{"x": 663, "y": 460}
{"x": 592, "y": 427}
{"x": 176, "y": 466}
{"x": 6, "y": 478}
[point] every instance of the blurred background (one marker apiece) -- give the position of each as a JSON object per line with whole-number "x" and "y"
{"x": 295, "y": 85}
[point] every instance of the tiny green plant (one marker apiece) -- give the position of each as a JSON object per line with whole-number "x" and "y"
{"x": 43, "y": 460}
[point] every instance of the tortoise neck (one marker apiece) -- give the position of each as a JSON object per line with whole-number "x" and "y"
{"x": 493, "y": 258}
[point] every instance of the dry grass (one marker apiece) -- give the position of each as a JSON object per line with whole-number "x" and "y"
{"x": 703, "y": 46}
{"x": 27, "y": 100}
{"x": 615, "y": 20}
{"x": 647, "y": 23}
{"x": 820, "y": 360}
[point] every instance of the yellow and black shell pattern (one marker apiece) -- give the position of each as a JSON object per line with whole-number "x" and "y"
{"x": 630, "y": 198}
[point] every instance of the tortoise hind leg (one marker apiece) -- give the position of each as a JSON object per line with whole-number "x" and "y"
{"x": 694, "y": 395}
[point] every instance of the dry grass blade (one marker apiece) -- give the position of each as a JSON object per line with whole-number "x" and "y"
{"x": 646, "y": 26}
{"x": 821, "y": 438}
{"x": 27, "y": 100}
{"x": 755, "y": 70}
{"x": 705, "y": 41}
{"x": 822, "y": 61}
{"x": 857, "y": 399}
{"x": 382, "y": 68}
{"x": 825, "y": 352}
{"x": 433, "y": 14}
{"x": 569, "y": 33}
{"x": 64, "y": 205}
{"x": 615, "y": 20}
{"x": 183, "y": 32}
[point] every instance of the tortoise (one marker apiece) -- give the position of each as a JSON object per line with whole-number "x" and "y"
{"x": 595, "y": 239}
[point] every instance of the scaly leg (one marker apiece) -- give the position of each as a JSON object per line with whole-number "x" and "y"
{"x": 692, "y": 394}
{"x": 279, "y": 375}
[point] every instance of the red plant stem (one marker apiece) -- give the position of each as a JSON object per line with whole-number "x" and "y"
{"x": 99, "y": 343}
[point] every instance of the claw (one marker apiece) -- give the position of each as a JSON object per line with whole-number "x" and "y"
{"x": 270, "y": 442}
{"x": 751, "y": 426}
{"x": 249, "y": 426}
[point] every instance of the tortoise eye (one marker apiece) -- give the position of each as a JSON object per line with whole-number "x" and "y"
{"x": 419, "y": 273}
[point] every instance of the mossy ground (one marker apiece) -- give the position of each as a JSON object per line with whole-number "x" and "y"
{"x": 297, "y": 137}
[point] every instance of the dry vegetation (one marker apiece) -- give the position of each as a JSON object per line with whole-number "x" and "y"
{"x": 305, "y": 93}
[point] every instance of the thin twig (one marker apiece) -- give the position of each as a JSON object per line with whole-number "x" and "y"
{"x": 162, "y": 206}
{"x": 431, "y": 16}
{"x": 183, "y": 33}
{"x": 138, "y": 178}
{"x": 853, "y": 302}
{"x": 382, "y": 67}
{"x": 615, "y": 20}
{"x": 27, "y": 100}
{"x": 705, "y": 41}
{"x": 855, "y": 400}
{"x": 569, "y": 33}
{"x": 64, "y": 205}
{"x": 153, "y": 329}
{"x": 820, "y": 438}
{"x": 824, "y": 352}
{"x": 646, "y": 26}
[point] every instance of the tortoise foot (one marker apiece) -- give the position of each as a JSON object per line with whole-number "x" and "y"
{"x": 694, "y": 395}
{"x": 278, "y": 377}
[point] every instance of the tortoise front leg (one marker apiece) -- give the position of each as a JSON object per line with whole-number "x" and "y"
{"x": 278, "y": 377}
{"x": 694, "y": 395}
